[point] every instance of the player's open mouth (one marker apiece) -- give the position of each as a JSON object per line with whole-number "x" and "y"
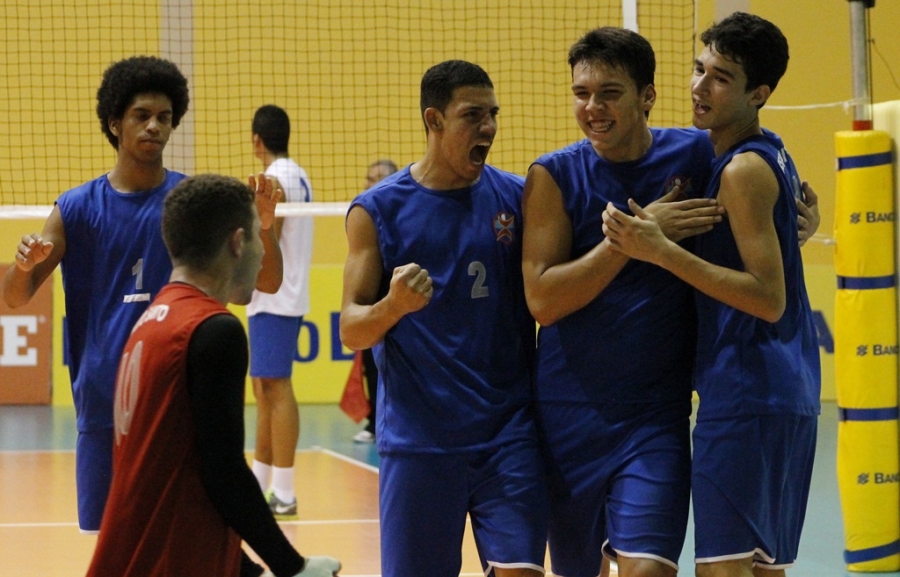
{"x": 701, "y": 108}
{"x": 478, "y": 154}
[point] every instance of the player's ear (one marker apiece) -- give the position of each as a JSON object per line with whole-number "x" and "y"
{"x": 433, "y": 118}
{"x": 113, "y": 124}
{"x": 760, "y": 94}
{"x": 236, "y": 241}
{"x": 648, "y": 97}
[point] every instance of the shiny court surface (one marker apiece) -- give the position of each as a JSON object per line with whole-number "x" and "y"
{"x": 337, "y": 495}
{"x": 38, "y": 535}
{"x": 337, "y": 486}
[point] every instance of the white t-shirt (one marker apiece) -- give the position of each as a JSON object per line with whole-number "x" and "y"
{"x": 292, "y": 299}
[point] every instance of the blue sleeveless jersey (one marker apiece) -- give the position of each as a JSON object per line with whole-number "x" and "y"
{"x": 114, "y": 265}
{"x": 635, "y": 341}
{"x": 746, "y": 365}
{"x": 455, "y": 375}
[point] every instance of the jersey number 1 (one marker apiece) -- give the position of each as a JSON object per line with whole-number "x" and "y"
{"x": 138, "y": 271}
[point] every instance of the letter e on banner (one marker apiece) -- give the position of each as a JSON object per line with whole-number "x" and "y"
{"x": 25, "y": 348}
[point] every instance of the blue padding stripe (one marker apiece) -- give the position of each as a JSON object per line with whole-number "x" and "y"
{"x": 864, "y": 161}
{"x": 866, "y": 282}
{"x": 882, "y": 414}
{"x": 872, "y": 553}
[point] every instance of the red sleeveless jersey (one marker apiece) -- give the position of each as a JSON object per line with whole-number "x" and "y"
{"x": 159, "y": 520}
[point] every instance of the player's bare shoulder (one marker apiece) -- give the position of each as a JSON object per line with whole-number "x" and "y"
{"x": 748, "y": 178}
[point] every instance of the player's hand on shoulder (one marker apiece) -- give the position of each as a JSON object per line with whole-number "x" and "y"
{"x": 32, "y": 250}
{"x": 411, "y": 288}
{"x": 321, "y": 566}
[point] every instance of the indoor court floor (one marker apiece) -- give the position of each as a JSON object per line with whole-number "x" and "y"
{"x": 337, "y": 487}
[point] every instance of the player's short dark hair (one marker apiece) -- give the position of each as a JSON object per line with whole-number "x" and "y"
{"x": 273, "y": 126}
{"x": 200, "y": 213}
{"x": 439, "y": 82}
{"x": 387, "y": 163}
{"x": 754, "y": 43}
{"x": 126, "y": 79}
{"x": 618, "y": 48}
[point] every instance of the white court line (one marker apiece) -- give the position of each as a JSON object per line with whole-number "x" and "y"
{"x": 314, "y": 449}
{"x": 345, "y": 458}
{"x": 32, "y": 451}
{"x": 297, "y": 523}
{"x": 332, "y": 522}
{"x": 33, "y": 525}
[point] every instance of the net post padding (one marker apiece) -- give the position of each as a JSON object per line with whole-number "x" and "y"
{"x": 866, "y": 351}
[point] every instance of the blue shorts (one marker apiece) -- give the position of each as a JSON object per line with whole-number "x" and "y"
{"x": 619, "y": 480}
{"x": 93, "y": 475}
{"x": 751, "y": 482}
{"x": 273, "y": 344}
{"x": 424, "y": 499}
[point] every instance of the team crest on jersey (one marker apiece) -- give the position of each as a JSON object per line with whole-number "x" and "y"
{"x": 683, "y": 181}
{"x": 505, "y": 227}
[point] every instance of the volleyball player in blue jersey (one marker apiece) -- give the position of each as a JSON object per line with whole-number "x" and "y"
{"x": 616, "y": 343}
{"x": 757, "y": 371}
{"x": 433, "y": 277}
{"x": 106, "y": 236}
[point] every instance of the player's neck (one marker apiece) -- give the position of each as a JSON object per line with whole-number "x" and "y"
{"x": 725, "y": 137}
{"x": 630, "y": 150}
{"x": 128, "y": 176}
{"x": 268, "y": 158}
{"x": 212, "y": 285}
{"x": 433, "y": 174}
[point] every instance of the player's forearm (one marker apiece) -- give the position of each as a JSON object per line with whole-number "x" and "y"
{"x": 18, "y": 287}
{"x": 568, "y": 287}
{"x": 758, "y": 296}
{"x": 362, "y": 326}
{"x": 272, "y": 272}
{"x": 235, "y": 494}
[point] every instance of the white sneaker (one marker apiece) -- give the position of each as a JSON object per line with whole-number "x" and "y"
{"x": 281, "y": 510}
{"x": 320, "y": 567}
{"x": 364, "y": 436}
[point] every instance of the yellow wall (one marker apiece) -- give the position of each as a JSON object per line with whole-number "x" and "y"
{"x": 322, "y": 65}
{"x": 347, "y": 71}
{"x": 51, "y": 60}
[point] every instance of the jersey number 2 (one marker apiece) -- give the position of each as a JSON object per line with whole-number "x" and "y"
{"x": 476, "y": 269}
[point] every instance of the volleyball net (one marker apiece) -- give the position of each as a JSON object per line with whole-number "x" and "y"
{"x": 346, "y": 71}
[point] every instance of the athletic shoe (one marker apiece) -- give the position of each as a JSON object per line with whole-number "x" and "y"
{"x": 364, "y": 436}
{"x": 281, "y": 510}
